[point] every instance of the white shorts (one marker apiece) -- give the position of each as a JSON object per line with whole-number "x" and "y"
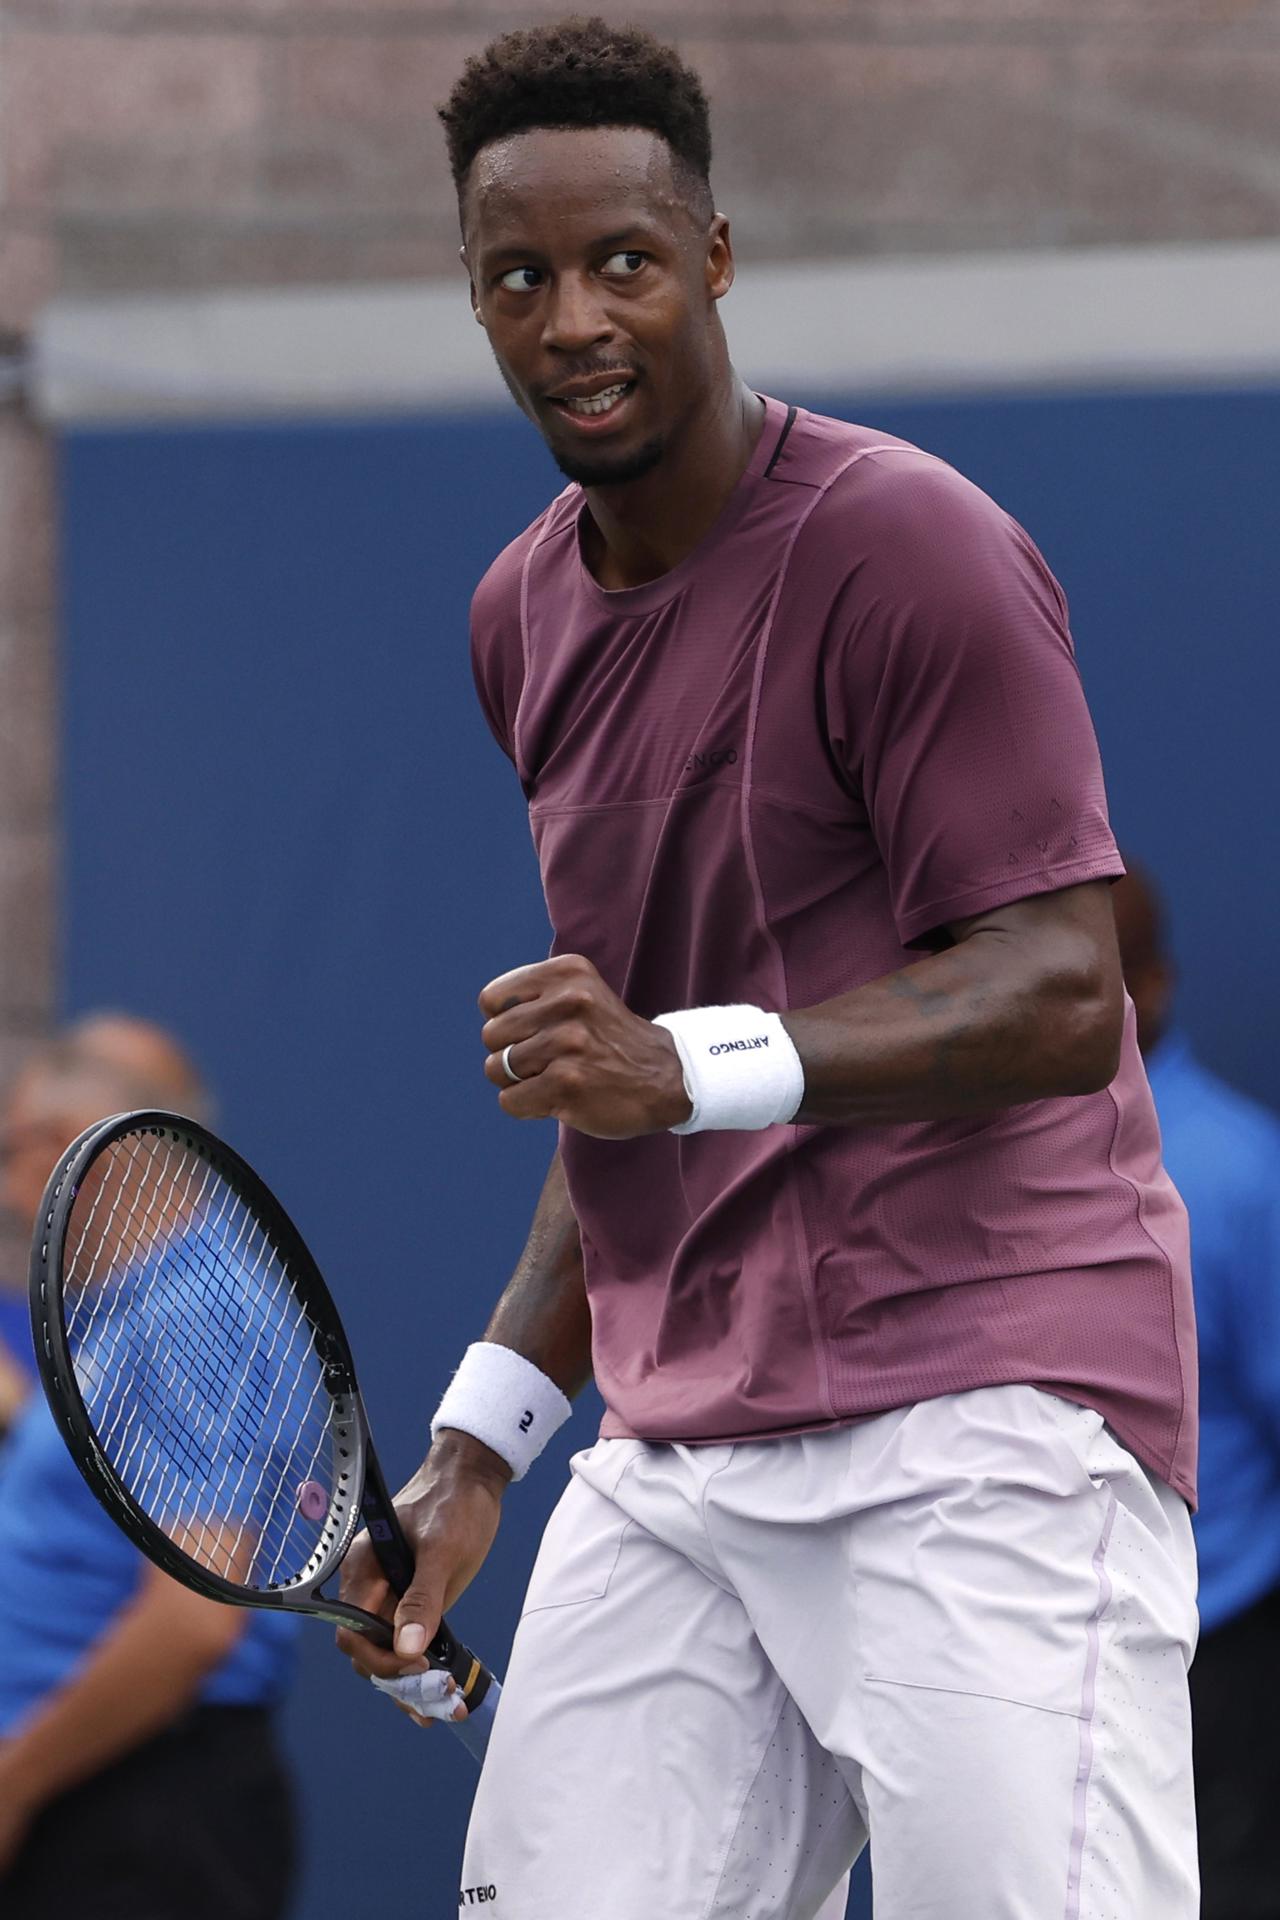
{"x": 962, "y": 1628}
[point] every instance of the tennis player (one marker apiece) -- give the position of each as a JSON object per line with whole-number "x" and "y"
{"x": 858, "y": 1215}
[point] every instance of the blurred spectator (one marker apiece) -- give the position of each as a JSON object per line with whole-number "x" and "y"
{"x": 145, "y": 1059}
{"x": 139, "y": 1778}
{"x": 1223, "y": 1152}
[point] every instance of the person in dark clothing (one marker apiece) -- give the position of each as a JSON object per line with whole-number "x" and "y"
{"x": 139, "y": 1778}
{"x": 1223, "y": 1152}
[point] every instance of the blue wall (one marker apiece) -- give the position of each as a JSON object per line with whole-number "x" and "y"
{"x": 289, "y": 835}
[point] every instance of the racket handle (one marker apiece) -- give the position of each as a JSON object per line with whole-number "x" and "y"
{"x": 395, "y": 1557}
{"x": 474, "y": 1679}
{"x": 475, "y": 1729}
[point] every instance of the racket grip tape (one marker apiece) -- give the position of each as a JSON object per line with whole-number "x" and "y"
{"x": 473, "y": 1677}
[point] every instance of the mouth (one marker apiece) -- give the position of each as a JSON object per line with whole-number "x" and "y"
{"x": 591, "y": 412}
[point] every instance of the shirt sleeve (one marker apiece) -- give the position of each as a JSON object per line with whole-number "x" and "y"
{"x": 497, "y": 644}
{"x": 954, "y": 704}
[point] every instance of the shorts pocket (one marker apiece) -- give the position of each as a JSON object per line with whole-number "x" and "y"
{"x": 579, "y": 1551}
{"x": 986, "y": 1578}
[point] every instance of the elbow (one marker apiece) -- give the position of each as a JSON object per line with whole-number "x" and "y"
{"x": 1094, "y": 1029}
{"x": 200, "y": 1648}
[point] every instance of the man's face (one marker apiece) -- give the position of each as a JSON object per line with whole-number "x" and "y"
{"x": 32, "y": 1135}
{"x": 596, "y": 285}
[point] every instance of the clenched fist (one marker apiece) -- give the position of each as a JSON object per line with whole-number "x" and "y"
{"x": 579, "y": 1054}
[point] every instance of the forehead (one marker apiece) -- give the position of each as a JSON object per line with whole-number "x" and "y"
{"x": 566, "y": 182}
{"x": 41, "y": 1097}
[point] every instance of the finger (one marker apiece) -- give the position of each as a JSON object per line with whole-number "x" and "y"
{"x": 427, "y": 1696}
{"x": 416, "y": 1718}
{"x": 528, "y": 1060}
{"x": 418, "y": 1616}
{"x": 521, "y": 1021}
{"x": 510, "y": 989}
{"x": 534, "y": 1099}
{"x": 371, "y": 1660}
{"x": 362, "y": 1582}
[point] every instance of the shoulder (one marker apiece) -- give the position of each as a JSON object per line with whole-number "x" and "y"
{"x": 495, "y": 604}
{"x": 497, "y": 624}
{"x": 902, "y": 515}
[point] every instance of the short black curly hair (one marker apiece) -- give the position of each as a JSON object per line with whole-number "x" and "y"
{"x": 581, "y": 72}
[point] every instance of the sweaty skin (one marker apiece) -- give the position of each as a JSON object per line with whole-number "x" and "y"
{"x": 590, "y": 269}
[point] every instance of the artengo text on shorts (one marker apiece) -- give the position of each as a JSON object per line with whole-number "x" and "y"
{"x": 739, "y": 1046}
{"x": 477, "y": 1896}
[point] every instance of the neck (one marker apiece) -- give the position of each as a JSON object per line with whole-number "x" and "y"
{"x": 640, "y": 530}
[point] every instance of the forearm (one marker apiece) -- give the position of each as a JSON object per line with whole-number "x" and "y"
{"x": 136, "y": 1681}
{"x": 543, "y": 1313}
{"x": 970, "y": 1030}
{"x": 1026, "y": 1004}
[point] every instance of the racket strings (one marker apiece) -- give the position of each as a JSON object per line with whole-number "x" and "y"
{"x": 196, "y": 1361}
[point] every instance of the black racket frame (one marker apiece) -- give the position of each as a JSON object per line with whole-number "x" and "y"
{"x": 361, "y": 1495}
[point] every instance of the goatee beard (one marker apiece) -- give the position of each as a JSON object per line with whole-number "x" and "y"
{"x": 601, "y": 473}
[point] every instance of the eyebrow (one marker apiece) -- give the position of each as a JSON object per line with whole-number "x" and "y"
{"x": 514, "y": 251}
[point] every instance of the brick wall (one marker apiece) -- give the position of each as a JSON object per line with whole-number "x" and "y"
{"x": 170, "y": 143}
{"x": 156, "y": 144}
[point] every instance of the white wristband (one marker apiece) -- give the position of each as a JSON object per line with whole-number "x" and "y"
{"x": 501, "y": 1398}
{"x": 741, "y": 1068}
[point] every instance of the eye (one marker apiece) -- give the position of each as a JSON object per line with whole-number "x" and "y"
{"x": 521, "y": 279}
{"x": 624, "y": 265}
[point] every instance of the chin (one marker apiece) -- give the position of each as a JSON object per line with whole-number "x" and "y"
{"x": 597, "y": 470}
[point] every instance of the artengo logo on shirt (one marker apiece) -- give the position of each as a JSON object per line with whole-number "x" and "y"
{"x": 739, "y": 1046}
{"x": 710, "y": 762}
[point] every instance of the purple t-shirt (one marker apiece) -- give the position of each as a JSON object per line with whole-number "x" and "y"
{"x": 850, "y": 716}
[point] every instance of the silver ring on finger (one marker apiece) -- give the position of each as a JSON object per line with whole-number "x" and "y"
{"x": 512, "y": 1076}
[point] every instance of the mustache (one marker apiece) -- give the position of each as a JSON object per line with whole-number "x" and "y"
{"x": 586, "y": 370}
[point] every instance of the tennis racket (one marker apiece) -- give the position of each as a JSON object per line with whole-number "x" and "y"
{"x": 197, "y": 1369}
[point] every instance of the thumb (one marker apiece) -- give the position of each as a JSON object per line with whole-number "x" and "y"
{"x": 418, "y": 1619}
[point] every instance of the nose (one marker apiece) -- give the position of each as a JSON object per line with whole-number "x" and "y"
{"x": 575, "y": 316}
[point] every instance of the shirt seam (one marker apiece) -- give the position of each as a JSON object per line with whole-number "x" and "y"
{"x": 542, "y": 531}
{"x": 804, "y": 1253}
{"x": 1169, "y": 1461}
{"x": 545, "y": 808}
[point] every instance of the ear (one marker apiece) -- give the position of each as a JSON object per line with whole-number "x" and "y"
{"x": 471, "y": 285}
{"x": 719, "y": 269}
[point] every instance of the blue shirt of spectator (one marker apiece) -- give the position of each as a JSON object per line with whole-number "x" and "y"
{"x": 66, "y": 1571}
{"x": 1223, "y": 1153}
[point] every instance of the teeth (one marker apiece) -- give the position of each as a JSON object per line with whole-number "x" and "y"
{"x": 599, "y": 402}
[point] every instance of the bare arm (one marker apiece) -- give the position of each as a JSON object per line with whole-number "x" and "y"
{"x": 1026, "y": 1005}
{"x": 139, "y": 1677}
{"x": 14, "y": 1388}
{"x": 451, "y": 1507}
{"x": 543, "y": 1313}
